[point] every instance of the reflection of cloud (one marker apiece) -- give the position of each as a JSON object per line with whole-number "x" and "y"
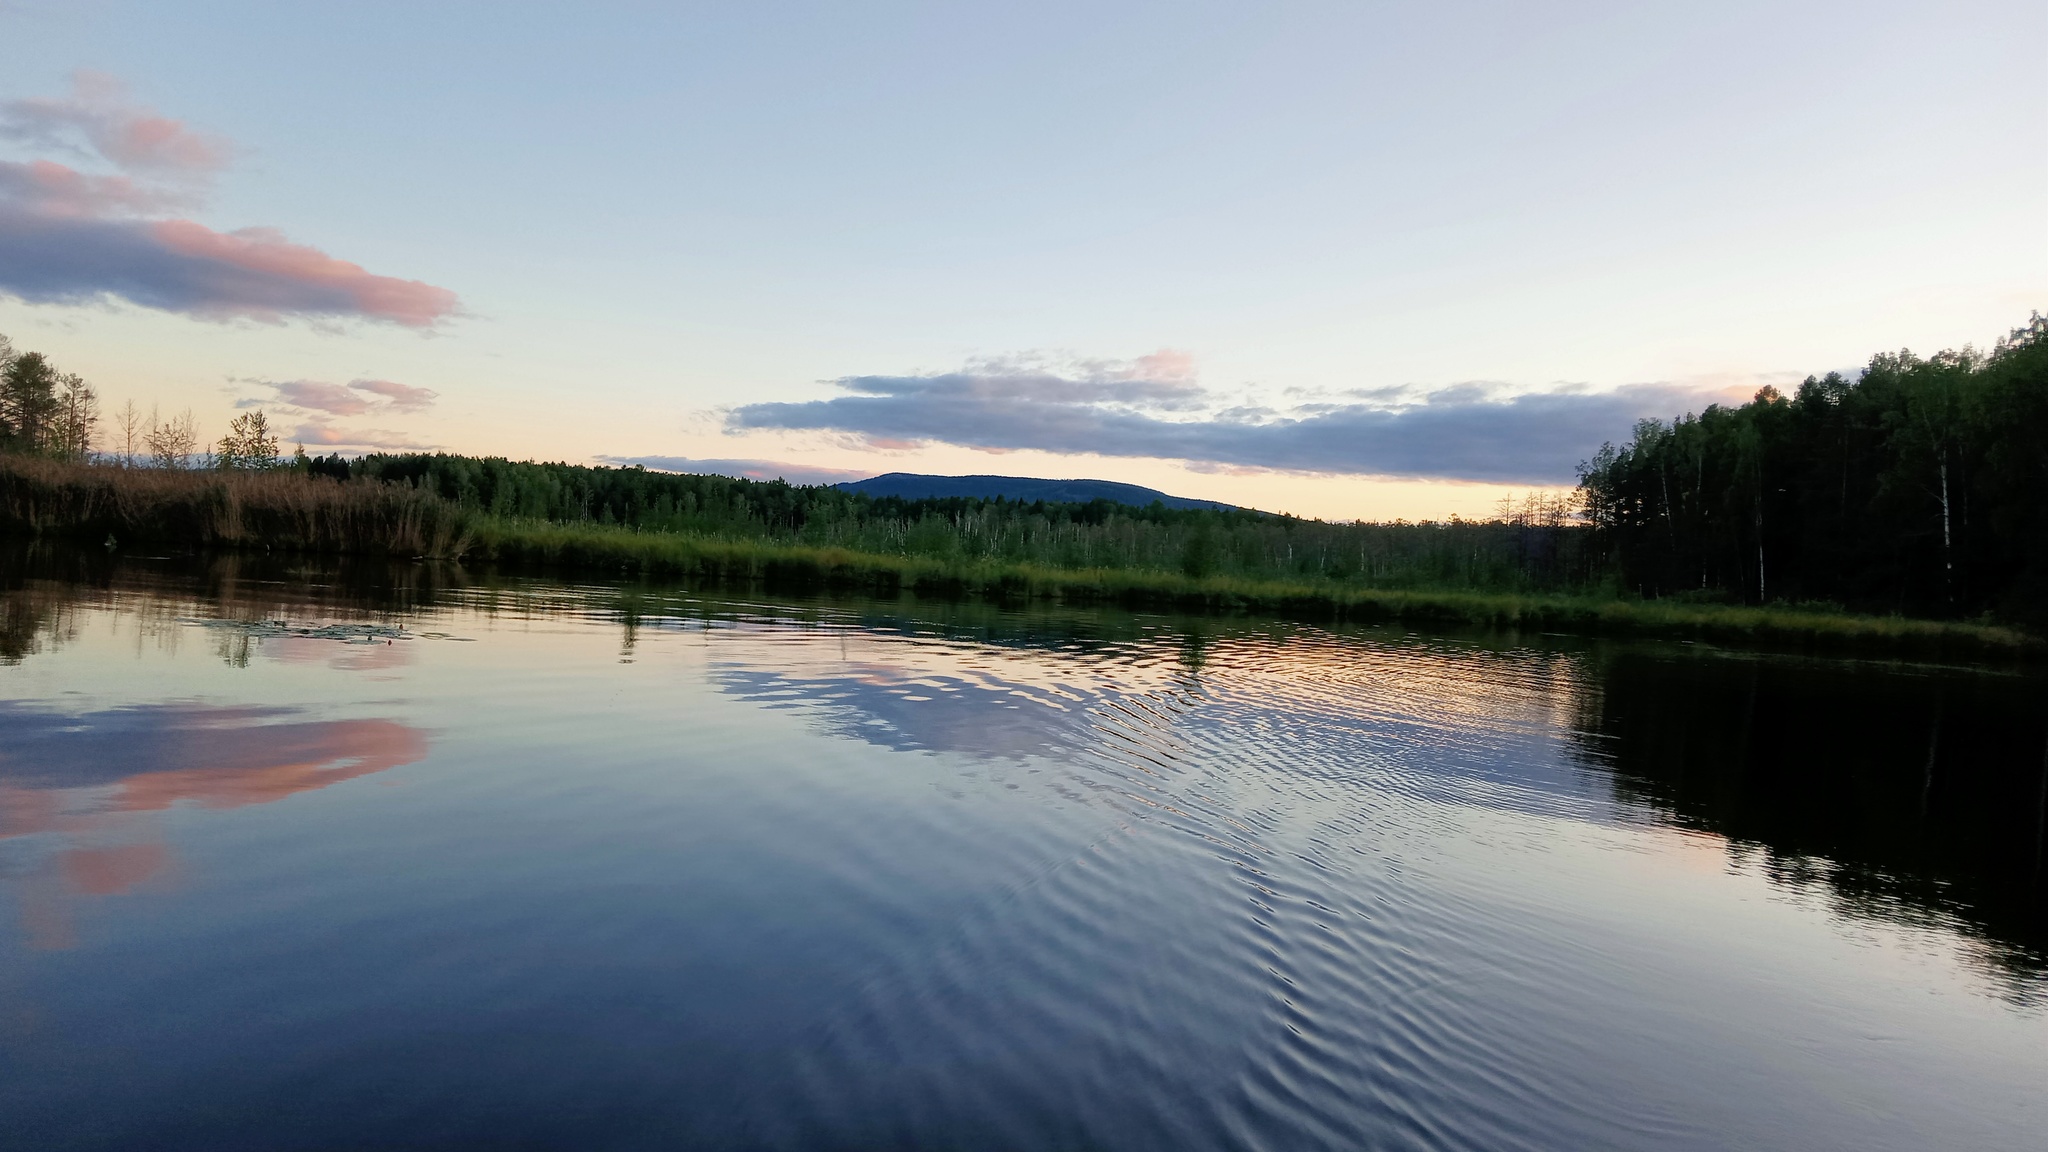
{"x": 1153, "y": 408}
{"x": 112, "y": 871}
{"x": 745, "y": 469}
{"x": 152, "y": 756}
{"x": 68, "y": 237}
{"x": 74, "y": 775}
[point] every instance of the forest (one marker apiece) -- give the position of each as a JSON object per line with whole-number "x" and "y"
{"x": 1919, "y": 487}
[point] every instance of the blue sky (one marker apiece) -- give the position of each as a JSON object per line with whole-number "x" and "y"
{"x": 1349, "y": 260}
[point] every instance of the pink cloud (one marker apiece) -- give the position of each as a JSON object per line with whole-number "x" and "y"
{"x": 127, "y": 135}
{"x": 48, "y": 187}
{"x": 69, "y": 237}
{"x": 295, "y": 272}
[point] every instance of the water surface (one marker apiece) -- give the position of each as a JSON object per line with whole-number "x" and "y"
{"x": 304, "y": 857}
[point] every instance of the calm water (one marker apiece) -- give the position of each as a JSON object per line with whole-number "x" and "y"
{"x": 533, "y": 865}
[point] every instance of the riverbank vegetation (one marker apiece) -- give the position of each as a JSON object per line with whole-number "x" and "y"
{"x": 1823, "y": 519}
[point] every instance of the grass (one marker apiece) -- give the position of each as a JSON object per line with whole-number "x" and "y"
{"x": 291, "y": 512}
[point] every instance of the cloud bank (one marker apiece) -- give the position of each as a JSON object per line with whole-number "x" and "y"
{"x": 745, "y": 469}
{"x": 1466, "y": 432}
{"x": 73, "y": 237}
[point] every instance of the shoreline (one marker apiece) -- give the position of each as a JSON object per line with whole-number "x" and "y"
{"x": 285, "y": 512}
{"x": 808, "y": 569}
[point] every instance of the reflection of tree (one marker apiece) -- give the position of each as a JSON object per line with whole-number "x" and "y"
{"x": 31, "y": 617}
{"x": 42, "y": 586}
{"x": 1902, "y": 797}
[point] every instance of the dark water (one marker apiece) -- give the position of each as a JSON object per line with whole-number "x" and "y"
{"x": 527, "y": 865}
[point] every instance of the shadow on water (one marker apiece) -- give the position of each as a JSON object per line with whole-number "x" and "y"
{"x": 1905, "y": 794}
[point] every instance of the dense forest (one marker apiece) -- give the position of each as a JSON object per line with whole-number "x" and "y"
{"x": 1919, "y": 487}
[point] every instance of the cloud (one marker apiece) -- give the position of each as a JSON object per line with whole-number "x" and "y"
{"x": 744, "y": 469}
{"x": 130, "y": 136}
{"x": 70, "y": 237}
{"x": 49, "y": 188}
{"x": 398, "y": 397}
{"x": 331, "y": 398}
{"x": 181, "y": 266}
{"x": 353, "y": 399}
{"x": 1466, "y": 432}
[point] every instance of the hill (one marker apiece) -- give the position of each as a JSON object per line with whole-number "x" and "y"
{"x": 912, "y": 486}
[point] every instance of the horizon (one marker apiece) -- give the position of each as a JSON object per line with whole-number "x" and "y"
{"x": 1356, "y": 264}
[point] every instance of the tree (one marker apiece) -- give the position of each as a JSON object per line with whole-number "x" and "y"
{"x": 129, "y": 431}
{"x": 77, "y": 419}
{"x": 171, "y": 443}
{"x": 28, "y": 400}
{"x": 248, "y": 444}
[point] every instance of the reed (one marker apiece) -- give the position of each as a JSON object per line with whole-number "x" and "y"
{"x": 232, "y": 509}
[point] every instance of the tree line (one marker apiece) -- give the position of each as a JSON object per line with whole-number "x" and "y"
{"x": 1530, "y": 544}
{"x": 1920, "y": 486}
{"x": 47, "y": 412}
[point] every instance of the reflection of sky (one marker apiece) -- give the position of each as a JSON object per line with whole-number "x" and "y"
{"x": 349, "y": 657}
{"x": 73, "y": 775}
{"x": 920, "y": 697}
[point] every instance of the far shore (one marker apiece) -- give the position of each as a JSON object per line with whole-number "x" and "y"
{"x": 284, "y": 511}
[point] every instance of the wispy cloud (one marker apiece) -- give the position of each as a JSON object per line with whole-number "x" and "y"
{"x": 352, "y": 399}
{"x": 1467, "y": 432}
{"x": 335, "y": 399}
{"x": 74, "y": 237}
{"x": 745, "y": 469}
{"x": 127, "y": 134}
{"x": 398, "y": 397}
{"x": 316, "y": 402}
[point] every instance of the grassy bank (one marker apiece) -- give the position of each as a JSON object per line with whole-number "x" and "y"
{"x": 288, "y": 511}
{"x": 799, "y": 568}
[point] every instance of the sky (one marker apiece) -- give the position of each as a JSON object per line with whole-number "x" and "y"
{"x": 1345, "y": 260}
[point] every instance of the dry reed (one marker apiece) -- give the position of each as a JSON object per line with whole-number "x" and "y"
{"x": 195, "y": 508}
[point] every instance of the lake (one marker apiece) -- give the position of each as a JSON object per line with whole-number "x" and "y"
{"x": 331, "y": 856}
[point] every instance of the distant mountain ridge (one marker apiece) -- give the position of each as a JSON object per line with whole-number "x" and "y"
{"x": 913, "y": 486}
